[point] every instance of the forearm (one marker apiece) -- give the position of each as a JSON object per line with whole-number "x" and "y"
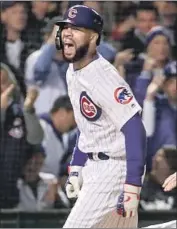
{"x": 44, "y": 61}
{"x": 141, "y": 86}
{"x": 35, "y": 132}
{"x": 135, "y": 142}
{"x": 78, "y": 157}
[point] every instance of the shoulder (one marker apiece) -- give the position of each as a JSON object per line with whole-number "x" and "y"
{"x": 44, "y": 123}
{"x": 106, "y": 70}
{"x": 107, "y": 51}
{"x": 33, "y": 57}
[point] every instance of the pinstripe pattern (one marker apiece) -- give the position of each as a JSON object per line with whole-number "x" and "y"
{"x": 102, "y": 180}
{"x": 99, "y": 79}
{"x": 96, "y": 204}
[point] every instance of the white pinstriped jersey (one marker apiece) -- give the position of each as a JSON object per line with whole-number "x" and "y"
{"x": 102, "y": 102}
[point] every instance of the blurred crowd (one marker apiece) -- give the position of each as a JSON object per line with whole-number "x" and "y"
{"x": 38, "y": 130}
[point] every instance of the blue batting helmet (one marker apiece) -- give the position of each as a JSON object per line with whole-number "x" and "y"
{"x": 80, "y": 16}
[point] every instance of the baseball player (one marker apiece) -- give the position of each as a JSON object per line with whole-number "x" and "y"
{"x": 110, "y": 151}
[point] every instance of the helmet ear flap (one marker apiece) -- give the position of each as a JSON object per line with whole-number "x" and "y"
{"x": 58, "y": 41}
{"x": 98, "y": 40}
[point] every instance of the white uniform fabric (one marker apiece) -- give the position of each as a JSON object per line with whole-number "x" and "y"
{"x": 96, "y": 204}
{"x": 102, "y": 103}
{"x": 99, "y": 82}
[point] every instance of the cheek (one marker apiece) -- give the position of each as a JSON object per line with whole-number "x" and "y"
{"x": 172, "y": 88}
{"x": 170, "y": 85}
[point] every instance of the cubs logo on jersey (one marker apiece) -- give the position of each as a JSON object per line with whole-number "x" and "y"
{"x": 122, "y": 95}
{"x": 88, "y": 108}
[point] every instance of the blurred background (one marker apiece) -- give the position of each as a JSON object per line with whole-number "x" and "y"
{"x": 38, "y": 130}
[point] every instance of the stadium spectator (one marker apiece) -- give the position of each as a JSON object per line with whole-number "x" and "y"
{"x": 152, "y": 63}
{"x": 161, "y": 112}
{"x": 37, "y": 191}
{"x": 47, "y": 69}
{"x": 153, "y": 196}
{"x": 168, "y": 18}
{"x": 19, "y": 128}
{"x": 146, "y": 17}
{"x": 36, "y": 21}
{"x": 124, "y": 19}
{"x": 56, "y": 125}
{"x": 14, "y": 39}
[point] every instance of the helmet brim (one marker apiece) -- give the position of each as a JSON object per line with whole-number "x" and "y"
{"x": 63, "y": 22}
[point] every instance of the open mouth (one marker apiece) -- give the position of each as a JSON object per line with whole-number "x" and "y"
{"x": 68, "y": 48}
{"x": 68, "y": 44}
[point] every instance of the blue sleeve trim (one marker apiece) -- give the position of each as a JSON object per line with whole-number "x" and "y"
{"x": 78, "y": 158}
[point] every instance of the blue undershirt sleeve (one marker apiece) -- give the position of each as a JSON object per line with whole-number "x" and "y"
{"x": 135, "y": 142}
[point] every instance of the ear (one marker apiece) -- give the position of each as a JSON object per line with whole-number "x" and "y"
{"x": 94, "y": 37}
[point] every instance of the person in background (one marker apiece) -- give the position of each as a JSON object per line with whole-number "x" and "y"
{"x": 168, "y": 18}
{"x": 169, "y": 184}
{"x": 146, "y": 17}
{"x": 153, "y": 196}
{"x": 37, "y": 19}
{"x": 14, "y": 39}
{"x": 56, "y": 125}
{"x": 46, "y": 69}
{"x": 37, "y": 191}
{"x": 160, "y": 113}
{"x": 152, "y": 63}
{"x": 20, "y": 127}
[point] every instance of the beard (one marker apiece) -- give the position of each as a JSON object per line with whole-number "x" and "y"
{"x": 80, "y": 53}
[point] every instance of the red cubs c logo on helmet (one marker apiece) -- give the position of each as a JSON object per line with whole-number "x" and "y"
{"x": 88, "y": 108}
{"x": 72, "y": 13}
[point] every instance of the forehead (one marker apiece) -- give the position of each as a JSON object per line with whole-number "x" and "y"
{"x": 17, "y": 6}
{"x": 74, "y": 27}
{"x": 160, "y": 38}
{"x": 172, "y": 80}
{"x": 146, "y": 13}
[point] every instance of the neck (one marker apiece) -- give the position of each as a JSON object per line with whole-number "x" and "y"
{"x": 84, "y": 61}
{"x": 12, "y": 35}
{"x": 38, "y": 13}
{"x": 56, "y": 123}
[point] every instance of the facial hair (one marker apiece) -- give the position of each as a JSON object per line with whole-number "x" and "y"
{"x": 80, "y": 53}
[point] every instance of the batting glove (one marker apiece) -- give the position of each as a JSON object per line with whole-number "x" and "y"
{"x": 128, "y": 201}
{"x": 74, "y": 182}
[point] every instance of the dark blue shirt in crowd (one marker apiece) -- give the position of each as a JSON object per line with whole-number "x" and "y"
{"x": 165, "y": 129}
{"x": 13, "y": 154}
